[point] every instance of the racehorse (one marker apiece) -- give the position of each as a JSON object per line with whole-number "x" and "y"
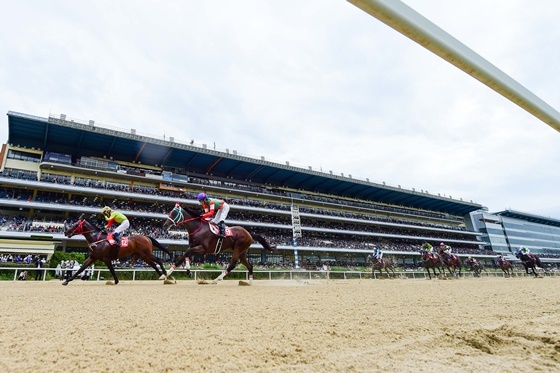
{"x": 529, "y": 261}
{"x": 451, "y": 262}
{"x": 431, "y": 260}
{"x": 381, "y": 265}
{"x": 475, "y": 267}
{"x": 203, "y": 240}
{"x": 505, "y": 266}
{"x": 101, "y": 249}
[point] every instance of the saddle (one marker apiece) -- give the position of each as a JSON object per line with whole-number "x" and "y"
{"x": 112, "y": 242}
{"x": 216, "y": 230}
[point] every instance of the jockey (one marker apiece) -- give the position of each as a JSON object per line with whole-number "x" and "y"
{"x": 525, "y": 251}
{"x": 217, "y": 206}
{"x": 499, "y": 258}
{"x": 446, "y": 248}
{"x": 378, "y": 254}
{"x": 115, "y": 217}
{"x": 471, "y": 260}
{"x": 429, "y": 248}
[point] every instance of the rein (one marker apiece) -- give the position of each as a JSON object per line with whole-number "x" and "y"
{"x": 79, "y": 230}
{"x": 178, "y": 220}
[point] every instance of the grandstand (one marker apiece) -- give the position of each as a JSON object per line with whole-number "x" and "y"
{"x": 54, "y": 169}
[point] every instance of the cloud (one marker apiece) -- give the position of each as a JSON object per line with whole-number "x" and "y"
{"x": 317, "y": 83}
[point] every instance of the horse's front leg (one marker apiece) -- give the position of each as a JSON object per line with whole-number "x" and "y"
{"x": 84, "y": 266}
{"x": 184, "y": 259}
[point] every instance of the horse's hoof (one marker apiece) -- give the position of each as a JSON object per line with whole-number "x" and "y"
{"x": 163, "y": 277}
{"x": 65, "y": 283}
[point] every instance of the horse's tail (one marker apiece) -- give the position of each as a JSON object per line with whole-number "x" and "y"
{"x": 262, "y": 241}
{"x": 160, "y": 246}
{"x": 539, "y": 263}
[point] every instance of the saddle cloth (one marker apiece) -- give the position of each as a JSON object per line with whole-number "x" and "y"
{"x": 111, "y": 239}
{"x": 215, "y": 230}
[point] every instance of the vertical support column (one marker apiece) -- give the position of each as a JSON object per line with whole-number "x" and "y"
{"x": 296, "y": 229}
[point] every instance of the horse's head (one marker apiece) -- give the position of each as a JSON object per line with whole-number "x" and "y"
{"x": 174, "y": 217}
{"x": 79, "y": 227}
{"x": 179, "y": 216}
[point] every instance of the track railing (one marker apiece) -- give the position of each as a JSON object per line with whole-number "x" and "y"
{"x": 140, "y": 274}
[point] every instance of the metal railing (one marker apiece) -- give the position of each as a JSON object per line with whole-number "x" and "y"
{"x": 141, "y": 274}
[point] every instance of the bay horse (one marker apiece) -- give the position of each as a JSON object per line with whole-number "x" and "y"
{"x": 529, "y": 261}
{"x": 505, "y": 266}
{"x": 431, "y": 260}
{"x": 451, "y": 261}
{"x": 381, "y": 265}
{"x": 203, "y": 240}
{"x": 101, "y": 249}
{"x": 475, "y": 267}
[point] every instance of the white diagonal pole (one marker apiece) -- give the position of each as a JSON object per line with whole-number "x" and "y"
{"x": 413, "y": 25}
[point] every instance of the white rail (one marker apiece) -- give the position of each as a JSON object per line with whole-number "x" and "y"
{"x": 103, "y": 274}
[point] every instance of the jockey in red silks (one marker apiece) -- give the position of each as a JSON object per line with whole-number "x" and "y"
{"x": 214, "y": 206}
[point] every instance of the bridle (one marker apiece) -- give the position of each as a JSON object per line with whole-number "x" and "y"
{"x": 179, "y": 219}
{"x": 80, "y": 228}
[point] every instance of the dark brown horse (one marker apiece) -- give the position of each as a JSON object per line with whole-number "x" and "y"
{"x": 451, "y": 262}
{"x": 529, "y": 261}
{"x": 203, "y": 240}
{"x": 381, "y": 265}
{"x": 101, "y": 249}
{"x": 431, "y": 260}
{"x": 505, "y": 266}
{"x": 475, "y": 266}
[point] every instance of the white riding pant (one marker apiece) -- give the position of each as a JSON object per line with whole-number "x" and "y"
{"x": 122, "y": 226}
{"x": 221, "y": 214}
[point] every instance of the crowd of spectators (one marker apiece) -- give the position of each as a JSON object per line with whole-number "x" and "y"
{"x": 351, "y": 222}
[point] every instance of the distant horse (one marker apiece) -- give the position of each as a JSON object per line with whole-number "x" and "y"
{"x": 475, "y": 267}
{"x": 101, "y": 249}
{"x": 384, "y": 264}
{"x": 505, "y": 266}
{"x": 203, "y": 240}
{"x": 529, "y": 261}
{"x": 431, "y": 260}
{"x": 451, "y": 261}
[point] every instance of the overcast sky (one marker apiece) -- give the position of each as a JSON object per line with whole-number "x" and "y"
{"x": 317, "y": 83}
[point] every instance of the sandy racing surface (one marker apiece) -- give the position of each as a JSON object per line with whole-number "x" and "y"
{"x": 472, "y": 324}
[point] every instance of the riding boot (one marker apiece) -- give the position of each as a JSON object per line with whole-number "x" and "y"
{"x": 117, "y": 238}
{"x": 222, "y": 227}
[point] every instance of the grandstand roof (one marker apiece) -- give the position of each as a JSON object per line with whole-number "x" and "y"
{"x": 78, "y": 138}
{"x": 529, "y": 217}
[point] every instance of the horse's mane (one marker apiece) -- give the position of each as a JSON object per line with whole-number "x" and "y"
{"x": 192, "y": 212}
{"x": 92, "y": 224}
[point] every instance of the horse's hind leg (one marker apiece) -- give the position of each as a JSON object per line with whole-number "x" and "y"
{"x": 112, "y": 270}
{"x": 231, "y": 267}
{"x": 153, "y": 264}
{"x": 245, "y": 262}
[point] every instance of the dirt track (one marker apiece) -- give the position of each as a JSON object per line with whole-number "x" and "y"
{"x": 488, "y": 324}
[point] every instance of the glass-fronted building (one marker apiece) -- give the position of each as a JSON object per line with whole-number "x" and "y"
{"x": 507, "y": 230}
